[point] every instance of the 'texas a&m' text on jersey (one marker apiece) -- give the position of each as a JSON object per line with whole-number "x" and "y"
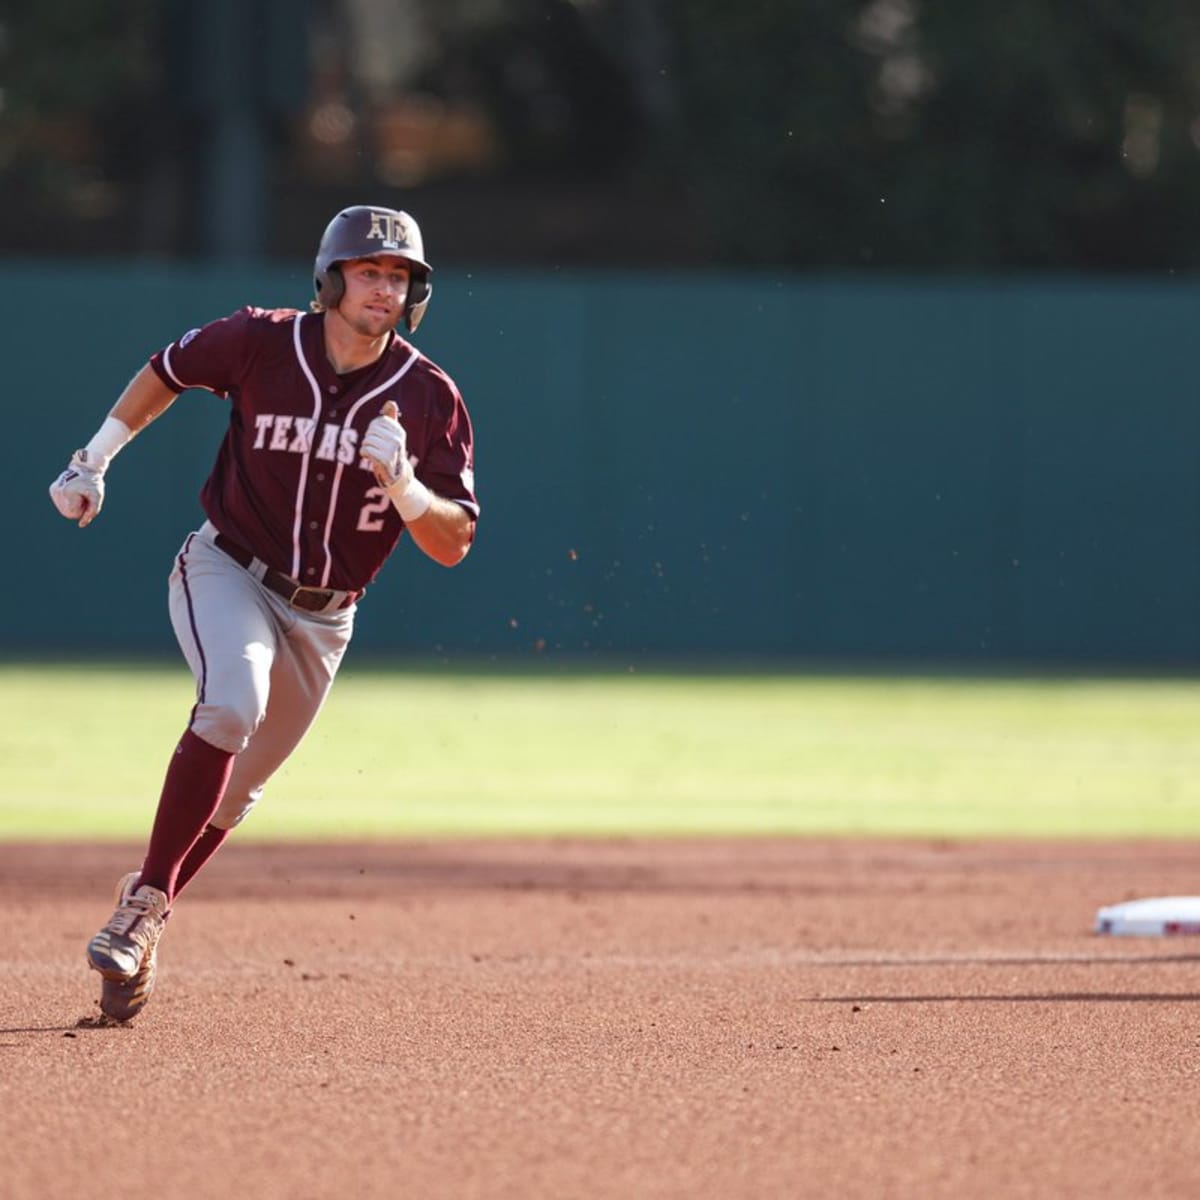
{"x": 288, "y": 483}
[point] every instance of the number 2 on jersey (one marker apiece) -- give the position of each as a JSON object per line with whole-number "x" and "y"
{"x": 370, "y": 519}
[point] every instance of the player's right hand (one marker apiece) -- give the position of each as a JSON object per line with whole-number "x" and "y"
{"x": 385, "y": 446}
{"x": 78, "y": 493}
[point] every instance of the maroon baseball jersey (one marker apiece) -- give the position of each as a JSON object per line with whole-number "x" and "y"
{"x": 288, "y": 482}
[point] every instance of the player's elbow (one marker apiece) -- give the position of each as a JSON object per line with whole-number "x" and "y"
{"x": 452, "y": 555}
{"x": 446, "y": 541}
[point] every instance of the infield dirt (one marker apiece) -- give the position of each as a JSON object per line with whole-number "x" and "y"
{"x": 571, "y": 1019}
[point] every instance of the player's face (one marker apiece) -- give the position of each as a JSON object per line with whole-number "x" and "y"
{"x": 376, "y": 288}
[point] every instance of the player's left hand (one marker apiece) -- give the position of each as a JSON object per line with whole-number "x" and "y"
{"x": 385, "y": 444}
{"x": 78, "y": 493}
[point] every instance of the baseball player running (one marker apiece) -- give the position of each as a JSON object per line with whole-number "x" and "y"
{"x": 341, "y": 436}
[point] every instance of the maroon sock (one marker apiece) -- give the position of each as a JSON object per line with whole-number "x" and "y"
{"x": 207, "y": 845}
{"x": 192, "y": 790}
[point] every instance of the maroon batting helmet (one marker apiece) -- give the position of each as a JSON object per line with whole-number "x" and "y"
{"x": 366, "y": 230}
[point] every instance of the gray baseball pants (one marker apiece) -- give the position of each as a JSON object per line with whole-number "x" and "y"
{"x": 262, "y": 668}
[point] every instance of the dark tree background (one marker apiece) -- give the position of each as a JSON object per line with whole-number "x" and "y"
{"x": 1037, "y": 133}
{"x": 829, "y": 134}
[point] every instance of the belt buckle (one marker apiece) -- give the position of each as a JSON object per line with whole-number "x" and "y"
{"x": 328, "y": 594}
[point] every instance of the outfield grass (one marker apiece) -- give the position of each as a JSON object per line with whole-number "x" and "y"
{"x": 423, "y": 752}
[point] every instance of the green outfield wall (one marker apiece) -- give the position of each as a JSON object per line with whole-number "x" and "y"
{"x": 759, "y": 464}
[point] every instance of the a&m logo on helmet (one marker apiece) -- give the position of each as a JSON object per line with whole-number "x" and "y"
{"x": 391, "y": 228}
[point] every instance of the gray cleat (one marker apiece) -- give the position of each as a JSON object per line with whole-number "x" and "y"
{"x": 125, "y": 951}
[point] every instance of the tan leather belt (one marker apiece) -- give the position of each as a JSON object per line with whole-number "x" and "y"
{"x": 307, "y": 599}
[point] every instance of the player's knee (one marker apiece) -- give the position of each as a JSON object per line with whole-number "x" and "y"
{"x": 226, "y": 726}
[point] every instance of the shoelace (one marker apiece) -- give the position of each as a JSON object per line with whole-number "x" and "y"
{"x": 129, "y": 914}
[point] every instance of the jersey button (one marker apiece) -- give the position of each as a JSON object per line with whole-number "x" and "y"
{"x": 333, "y": 389}
{"x": 320, "y": 478}
{"x": 311, "y": 571}
{"x": 313, "y": 525}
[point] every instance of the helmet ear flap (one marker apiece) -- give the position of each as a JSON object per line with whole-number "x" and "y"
{"x": 331, "y": 286}
{"x": 419, "y": 291}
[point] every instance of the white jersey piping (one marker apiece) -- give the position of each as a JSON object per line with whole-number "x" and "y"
{"x": 337, "y": 476}
{"x": 183, "y": 387}
{"x": 304, "y": 459}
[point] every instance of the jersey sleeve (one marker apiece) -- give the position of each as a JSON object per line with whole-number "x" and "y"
{"x": 211, "y": 357}
{"x": 448, "y": 467}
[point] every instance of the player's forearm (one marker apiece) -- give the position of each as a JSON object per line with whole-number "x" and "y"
{"x": 78, "y": 493}
{"x": 144, "y": 399}
{"x": 444, "y": 532}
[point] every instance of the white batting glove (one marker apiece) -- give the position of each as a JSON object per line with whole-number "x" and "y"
{"x": 385, "y": 446}
{"x": 78, "y": 493}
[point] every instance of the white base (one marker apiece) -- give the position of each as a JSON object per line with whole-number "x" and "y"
{"x": 1163, "y": 916}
